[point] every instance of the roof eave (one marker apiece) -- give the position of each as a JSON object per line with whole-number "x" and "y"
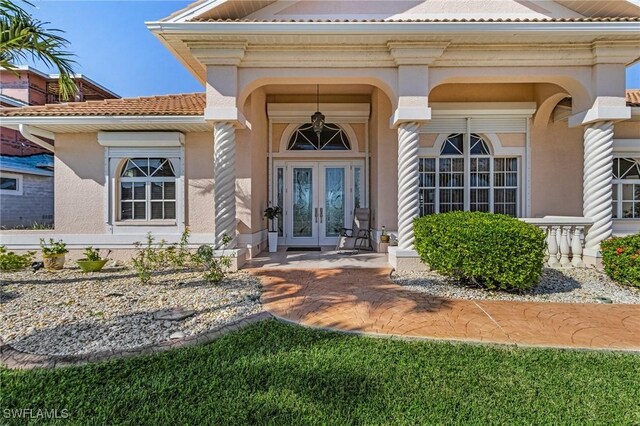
{"x": 248, "y": 27}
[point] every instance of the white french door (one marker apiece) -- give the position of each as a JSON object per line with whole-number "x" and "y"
{"x": 319, "y": 198}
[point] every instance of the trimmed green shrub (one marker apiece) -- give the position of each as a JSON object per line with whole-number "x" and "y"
{"x": 621, "y": 258}
{"x": 492, "y": 250}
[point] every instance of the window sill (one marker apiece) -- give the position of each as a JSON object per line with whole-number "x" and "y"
{"x": 146, "y": 223}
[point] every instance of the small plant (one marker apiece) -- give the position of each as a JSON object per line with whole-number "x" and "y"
{"x": 152, "y": 256}
{"x": 621, "y": 259}
{"x": 272, "y": 213}
{"x": 91, "y": 254}
{"x": 10, "y": 261}
{"x": 53, "y": 247}
{"x": 214, "y": 268}
{"x": 384, "y": 237}
{"x": 491, "y": 250}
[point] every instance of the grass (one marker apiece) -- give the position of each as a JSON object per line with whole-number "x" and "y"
{"x": 275, "y": 373}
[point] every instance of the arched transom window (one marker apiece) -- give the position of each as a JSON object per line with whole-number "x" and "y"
{"x": 332, "y": 138}
{"x": 626, "y": 188}
{"x": 147, "y": 189}
{"x": 466, "y": 176}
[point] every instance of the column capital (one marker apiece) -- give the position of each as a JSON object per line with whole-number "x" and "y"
{"x": 226, "y": 115}
{"x": 605, "y": 108}
{"x": 402, "y": 115}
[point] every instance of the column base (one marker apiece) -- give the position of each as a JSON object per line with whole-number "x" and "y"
{"x": 592, "y": 258}
{"x": 406, "y": 260}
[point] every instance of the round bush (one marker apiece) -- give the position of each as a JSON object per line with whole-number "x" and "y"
{"x": 492, "y": 250}
{"x": 621, "y": 258}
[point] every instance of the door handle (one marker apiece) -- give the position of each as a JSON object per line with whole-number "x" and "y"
{"x": 321, "y": 210}
{"x": 316, "y": 209}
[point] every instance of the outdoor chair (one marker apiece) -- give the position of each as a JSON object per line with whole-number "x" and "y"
{"x": 358, "y": 237}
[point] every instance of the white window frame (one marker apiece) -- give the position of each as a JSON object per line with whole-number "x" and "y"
{"x": 147, "y": 180}
{"x": 120, "y": 146}
{"x": 496, "y": 152}
{"x": 617, "y": 189}
{"x": 19, "y": 184}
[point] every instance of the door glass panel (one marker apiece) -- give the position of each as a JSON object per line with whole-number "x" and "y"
{"x": 302, "y": 202}
{"x": 280, "y": 196}
{"x": 334, "y": 201}
{"x": 357, "y": 187}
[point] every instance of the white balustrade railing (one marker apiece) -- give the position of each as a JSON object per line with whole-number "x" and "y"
{"x": 565, "y": 239}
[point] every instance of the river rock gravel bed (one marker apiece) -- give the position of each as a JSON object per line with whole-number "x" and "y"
{"x": 571, "y": 285}
{"x": 73, "y": 313}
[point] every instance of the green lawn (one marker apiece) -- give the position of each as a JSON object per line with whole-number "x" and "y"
{"x": 283, "y": 374}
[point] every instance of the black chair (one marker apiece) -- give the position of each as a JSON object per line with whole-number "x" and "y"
{"x": 358, "y": 237}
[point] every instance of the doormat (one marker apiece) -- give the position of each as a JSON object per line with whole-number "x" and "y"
{"x": 304, "y": 248}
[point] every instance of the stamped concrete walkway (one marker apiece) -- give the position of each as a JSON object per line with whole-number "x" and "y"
{"x": 367, "y": 301}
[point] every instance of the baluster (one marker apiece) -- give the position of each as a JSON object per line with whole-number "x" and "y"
{"x": 565, "y": 247}
{"x": 553, "y": 247}
{"x": 576, "y": 247}
{"x": 545, "y": 229}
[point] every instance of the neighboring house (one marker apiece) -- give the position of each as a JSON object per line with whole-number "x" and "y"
{"x": 26, "y": 191}
{"x": 506, "y": 106}
{"x": 26, "y": 86}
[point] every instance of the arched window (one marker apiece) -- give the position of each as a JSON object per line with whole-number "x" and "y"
{"x": 332, "y": 138}
{"x": 147, "y": 189}
{"x": 466, "y": 176}
{"x": 626, "y": 188}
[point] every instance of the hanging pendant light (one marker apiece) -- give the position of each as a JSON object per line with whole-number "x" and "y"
{"x": 317, "y": 119}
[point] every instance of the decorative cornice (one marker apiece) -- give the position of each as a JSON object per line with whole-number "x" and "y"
{"x": 218, "y": 53}
{"x": 416, "y": 53}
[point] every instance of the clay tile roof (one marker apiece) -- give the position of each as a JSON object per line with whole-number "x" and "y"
{"x": 456, "y": 20}
{"x": 166, "y": 105}
{"x": 191, "y": 104}
{"x": 633, "y": 97}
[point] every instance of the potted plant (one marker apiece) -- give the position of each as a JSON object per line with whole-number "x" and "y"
{"x": 272, "y": 214}
{"x": 384, "y": 237}
{"x": 92, "y": 261}
{"x": 53, "y": 253}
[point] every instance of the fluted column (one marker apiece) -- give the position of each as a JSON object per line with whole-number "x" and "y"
{"x": 598, "y": 160}
{"x": 224, "y": 163}
{"x": 408, "y": 209}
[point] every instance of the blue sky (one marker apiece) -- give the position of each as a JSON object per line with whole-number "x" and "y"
{"x": 115, "y": 49}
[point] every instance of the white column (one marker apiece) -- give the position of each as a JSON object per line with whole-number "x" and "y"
{"x": 224, "y": 163}
{"x": 408, "y": 209}
{"x": 598, "y": 161}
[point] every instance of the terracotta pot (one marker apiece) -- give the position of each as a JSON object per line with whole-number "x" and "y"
{"x": 91, "y": 265}
{"x": 53, "y": 261}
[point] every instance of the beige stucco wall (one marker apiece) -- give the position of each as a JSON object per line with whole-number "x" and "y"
{"x": 384, "y": 165}
{"x": 79, "y": 181}
{"x": 627, "y": 130}
{"x": 482, "y": 93}
{"x": 199, "y": 202}
{"x": 556, "y": 170}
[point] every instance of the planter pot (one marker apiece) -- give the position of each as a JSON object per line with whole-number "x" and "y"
{"x": 384, "y": 238}
{"x": 53, "y": 261}
{"x": 273, "y": 242}
{"x": 91, "y": 265}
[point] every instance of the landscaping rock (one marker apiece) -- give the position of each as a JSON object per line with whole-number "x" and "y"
{"x": 570, "y": 285}
{"x": 72, "y": 313}
{"x": 176, "y": 314}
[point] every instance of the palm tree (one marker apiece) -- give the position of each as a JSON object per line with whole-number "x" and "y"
{"x": 23, "y": 37}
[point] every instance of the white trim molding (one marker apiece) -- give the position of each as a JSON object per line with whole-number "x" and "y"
{"x": 140, "y": 139}
{"x": 19, "y": 184}
{"x": 335, "y": 113}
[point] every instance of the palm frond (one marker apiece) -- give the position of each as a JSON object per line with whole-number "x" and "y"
{"x": 23, "y": 37}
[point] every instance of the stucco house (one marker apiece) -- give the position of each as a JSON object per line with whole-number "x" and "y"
{"x": 508, "y": 106}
